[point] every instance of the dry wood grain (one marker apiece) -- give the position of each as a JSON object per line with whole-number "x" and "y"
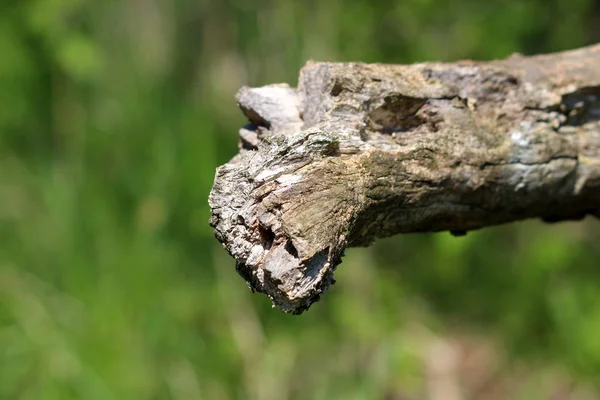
{"x": 361, "y": 151}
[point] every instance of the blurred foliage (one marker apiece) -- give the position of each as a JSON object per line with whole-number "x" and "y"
{"x": 113, "y": 117}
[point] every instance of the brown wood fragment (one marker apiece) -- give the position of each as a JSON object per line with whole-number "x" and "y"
{"x": 361, "y": 151}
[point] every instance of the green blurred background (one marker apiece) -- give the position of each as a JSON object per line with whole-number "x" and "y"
{"x": 113, "y": 118}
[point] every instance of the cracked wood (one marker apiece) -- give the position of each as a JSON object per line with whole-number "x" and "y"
{"x": 361, "y": 151}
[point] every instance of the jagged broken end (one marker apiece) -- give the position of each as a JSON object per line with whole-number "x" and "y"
{"x": 271, "y": 261}
{"x": 251, "y": 214}
{"x": 312, "y": 279}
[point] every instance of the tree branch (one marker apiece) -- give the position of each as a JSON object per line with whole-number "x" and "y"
{"x": 363, "y": 151}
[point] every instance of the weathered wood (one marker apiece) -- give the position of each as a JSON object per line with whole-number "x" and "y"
{"x": 363, "y": 151}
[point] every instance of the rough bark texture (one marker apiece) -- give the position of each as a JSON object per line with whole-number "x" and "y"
{"x": 360, "y": 151}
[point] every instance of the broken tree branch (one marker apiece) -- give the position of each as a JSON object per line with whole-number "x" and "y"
{"x": 362, "y": 151}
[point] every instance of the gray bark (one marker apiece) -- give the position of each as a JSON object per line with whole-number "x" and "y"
{"x": 361, "y": 151}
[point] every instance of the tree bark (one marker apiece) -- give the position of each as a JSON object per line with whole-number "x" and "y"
{"x": 361, "y": 151}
